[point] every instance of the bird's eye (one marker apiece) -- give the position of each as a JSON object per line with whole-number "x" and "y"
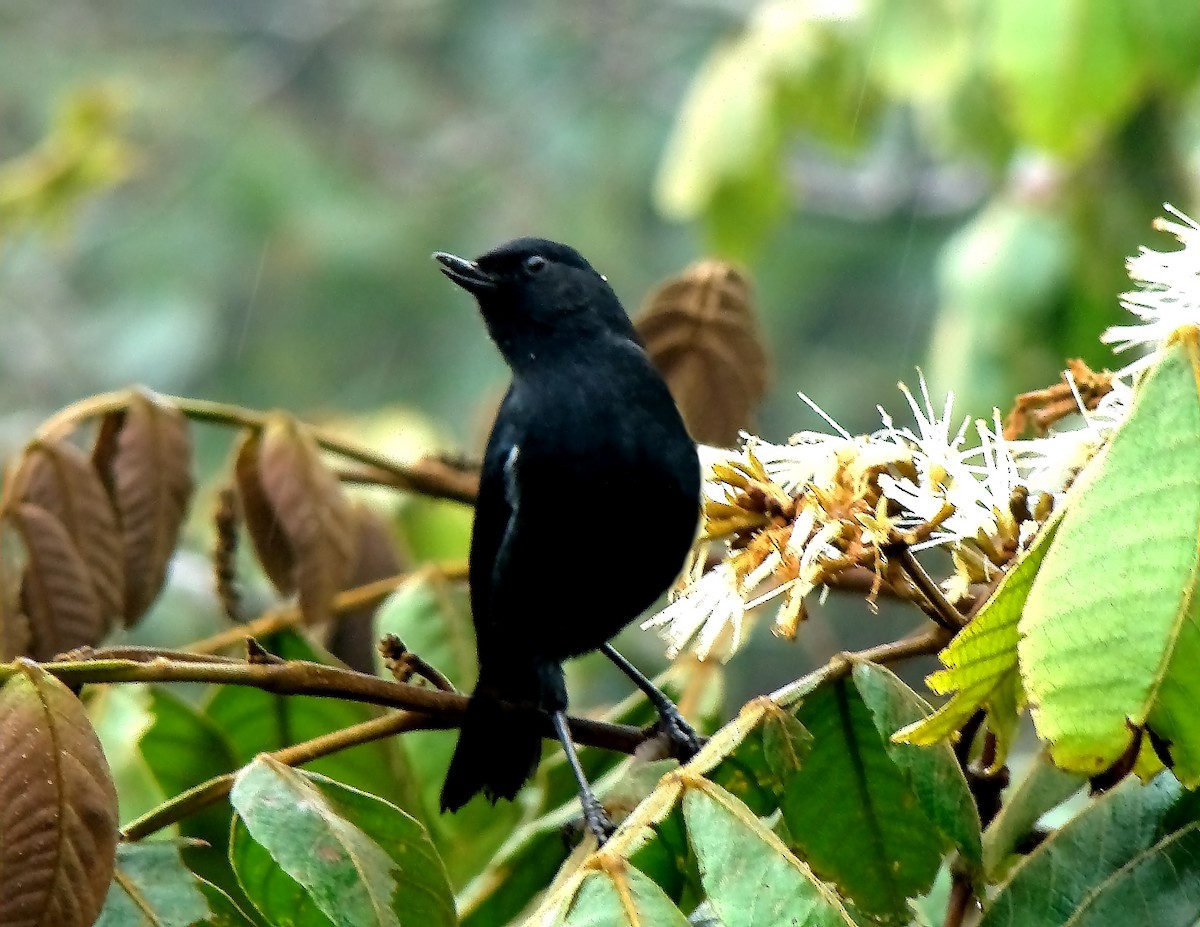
{"x": 535, "y": 264}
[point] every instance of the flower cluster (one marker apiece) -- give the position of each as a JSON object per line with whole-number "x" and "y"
{"x": 829, "y": 509}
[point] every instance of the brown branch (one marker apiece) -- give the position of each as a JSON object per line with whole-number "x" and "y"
{"x": 959, "y": 902}
{"x": 298, "y": 677}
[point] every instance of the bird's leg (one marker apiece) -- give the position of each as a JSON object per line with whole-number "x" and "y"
{"x": 687, "y": 742}
{"x": 594, "y": 815}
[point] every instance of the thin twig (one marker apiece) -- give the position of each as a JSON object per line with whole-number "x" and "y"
{"x": 942, "y": 611}
{"x": 290, "y": 615}
{"x": 216, "y": 788}
{"x": 429, "y": 476}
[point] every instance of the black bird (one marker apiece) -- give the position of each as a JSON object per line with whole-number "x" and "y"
{"x": 588, "y": 501}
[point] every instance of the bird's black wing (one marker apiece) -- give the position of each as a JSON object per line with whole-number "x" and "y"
{"x": 494, "y": 511}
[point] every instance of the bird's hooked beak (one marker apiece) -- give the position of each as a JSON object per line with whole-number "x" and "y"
{"x": 467, "y": 274}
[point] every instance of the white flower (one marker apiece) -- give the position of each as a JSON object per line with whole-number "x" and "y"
{"x": 1050, "y": 464}
{"x": 944, "y": 472}
{"x": 703, "y": 612}
{"x": 1169, "y": 297}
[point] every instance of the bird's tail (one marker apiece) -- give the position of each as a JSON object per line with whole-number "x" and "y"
{"x": 498, "y": 747}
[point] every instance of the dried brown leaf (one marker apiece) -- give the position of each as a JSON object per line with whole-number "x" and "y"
{"x": 59, "y": 478}
{"x": 15, "y": 638}
{"x": 57, "y": 593}
{"x": 267, "y": 534}
{"x": 309, "y": 503}
{"x": 701, "y": 332}
{"x": 144, "y": 457}
{"x": 352, "y": 635}
{"x": 58, "y": 807}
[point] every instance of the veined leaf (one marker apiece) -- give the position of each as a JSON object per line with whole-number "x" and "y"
{"x": 981, "y": 662}
{"x": 153, "y": 888}
{"x": 58, "y": 807}
{"x": 853, "y": 814}
{"x": 1110, "y": 636}
{"x": 750, "y": 877}
{"x": 144, "y": 456}
{"x": 359, "y": 860}
{"x": 310, "y": 506}
{"x": 622, "y": 897}
{"x": 1043, "y": 787}
{"x": 1114, "y": 847}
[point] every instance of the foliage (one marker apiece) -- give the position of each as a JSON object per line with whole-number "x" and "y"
{"x": 843, "y": 798}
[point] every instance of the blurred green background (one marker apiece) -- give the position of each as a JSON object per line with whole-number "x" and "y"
{"x": 237, "y": 201}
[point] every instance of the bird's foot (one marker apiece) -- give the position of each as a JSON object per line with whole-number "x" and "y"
{"x": 597, "y": 819}
{"x": 684, "y": 740}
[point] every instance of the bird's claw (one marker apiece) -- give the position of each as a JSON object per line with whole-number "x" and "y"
{"x": 681, "y": 735}
{"x": 597, "y": 820}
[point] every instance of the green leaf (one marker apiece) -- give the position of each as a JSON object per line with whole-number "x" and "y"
{"x": 528, "y": 860}
{"x": 432, "y": 618}
{"x": 359, "y": 860}
{"x": 1110, "y": 861}
{"x": 750, "y": 877}
{"x": 1110, "y": 636}
{"x": 254, "y": 722}
{"x": 153, "y": 888}
{"x": 981, "y": 661}
{"x": 1068, "y": 68}
{"x": 1044, "y": 786}
{"x": 274, "y": 893}
{"x": 1158, "y": 885}
{"x": 620, "y": 896}
{"x": 933, "y": 774}
{"x": 182, "y": 749}
{"x": 120, "y": 715}
{"x": 853, "y": 813}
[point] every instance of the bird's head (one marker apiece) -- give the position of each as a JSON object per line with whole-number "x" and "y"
{"x": 539, "y": 297}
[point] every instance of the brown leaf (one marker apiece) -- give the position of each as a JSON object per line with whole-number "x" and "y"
{"x": 59, "y": 478}
{"x": 266, "y": 533}
{"x": 57, "y": 593}
{"x": 15, "y": 638}
{"x": 308, "y": 501}
{"x": 701, "y": 332}
{"x": 58, "y": 807}
{"x": 351, "y": 637}
{"x": 144, "y": 457}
